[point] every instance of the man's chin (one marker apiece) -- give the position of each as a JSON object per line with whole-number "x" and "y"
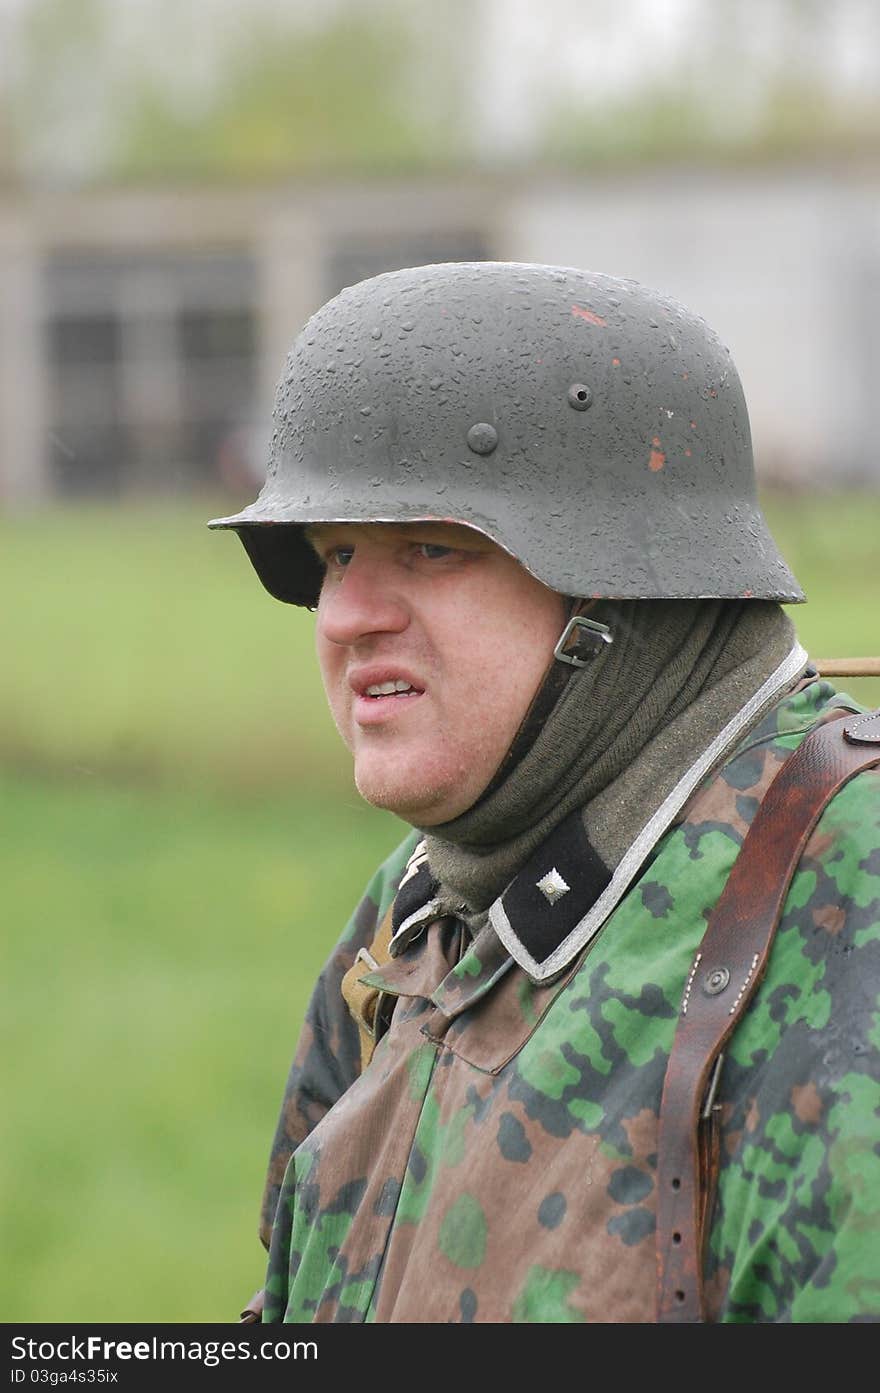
{"x": 414, "y": 800}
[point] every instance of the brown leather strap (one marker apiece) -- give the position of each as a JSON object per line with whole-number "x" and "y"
{"x": 726, "y": 970}
{"x": 253, "y": 1311}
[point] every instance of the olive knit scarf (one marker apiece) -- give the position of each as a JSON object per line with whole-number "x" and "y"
{"x": 619, "y": 737}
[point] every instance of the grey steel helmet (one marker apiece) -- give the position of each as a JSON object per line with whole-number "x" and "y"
{"x": 593, "y": 428}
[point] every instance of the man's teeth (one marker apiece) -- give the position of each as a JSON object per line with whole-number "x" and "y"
{"x": 388, "y": 688}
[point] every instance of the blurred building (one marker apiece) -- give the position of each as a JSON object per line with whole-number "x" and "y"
{"x": 143, "y": 331}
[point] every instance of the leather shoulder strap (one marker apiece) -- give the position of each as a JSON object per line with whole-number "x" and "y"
{"x": 726, "y": 970}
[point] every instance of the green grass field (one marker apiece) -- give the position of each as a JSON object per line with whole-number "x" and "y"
{"x": 159, "y": 948}
{"x": 180, "y": 846}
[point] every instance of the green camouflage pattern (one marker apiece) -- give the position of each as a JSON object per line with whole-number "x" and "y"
{"x": 496, "y": 1160}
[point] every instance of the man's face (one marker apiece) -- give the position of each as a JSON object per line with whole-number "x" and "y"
{"x": 432, "y": 642}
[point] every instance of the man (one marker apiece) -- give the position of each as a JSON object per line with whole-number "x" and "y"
{"x": 549, "y": 625}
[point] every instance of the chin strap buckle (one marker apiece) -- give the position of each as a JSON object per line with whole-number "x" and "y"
{"x": 581, "y": 641}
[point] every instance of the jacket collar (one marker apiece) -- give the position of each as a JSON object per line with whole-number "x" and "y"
{"x": 564, "y": 892}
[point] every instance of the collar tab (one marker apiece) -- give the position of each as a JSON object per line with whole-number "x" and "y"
{"x": 551, "y": 894}
{"x": 415, "y": 903}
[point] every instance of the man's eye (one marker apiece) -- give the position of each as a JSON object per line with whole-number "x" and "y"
{"x": 432, "y": 551}
{"x": 340, "y": 556}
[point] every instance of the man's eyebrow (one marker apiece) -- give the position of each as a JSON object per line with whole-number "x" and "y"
{"x": 313, "y": 541}
{"x": 320, "y": 535}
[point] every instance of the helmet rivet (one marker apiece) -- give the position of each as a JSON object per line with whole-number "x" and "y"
{"x": 482, "y": 438}
{"x": 579, "y": 396}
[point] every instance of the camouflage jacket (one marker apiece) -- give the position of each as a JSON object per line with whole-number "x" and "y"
{"x": 496, "y": 1160}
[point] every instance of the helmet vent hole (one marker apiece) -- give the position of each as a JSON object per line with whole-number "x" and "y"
{"x": 580, "y": 396}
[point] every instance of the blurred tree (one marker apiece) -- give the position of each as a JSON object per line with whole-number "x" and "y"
{"x": 743, "y": 79}
{"x": 208, "y": 89}
{"x": 340, "y": 95}
{"x": 7, "y": 151}
{"x": 238, "y": 89}
{"x": 57, "y": 85}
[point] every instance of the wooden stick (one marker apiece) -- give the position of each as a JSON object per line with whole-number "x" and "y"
{"x": 847, "y": 667}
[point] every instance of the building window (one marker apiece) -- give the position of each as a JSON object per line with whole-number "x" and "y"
{"x": 152, "y": 364}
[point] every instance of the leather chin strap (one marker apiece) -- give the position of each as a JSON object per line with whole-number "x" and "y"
{"x": 553, "y": 684}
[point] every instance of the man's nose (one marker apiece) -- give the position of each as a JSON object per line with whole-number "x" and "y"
{"x": 361, "y": 602}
